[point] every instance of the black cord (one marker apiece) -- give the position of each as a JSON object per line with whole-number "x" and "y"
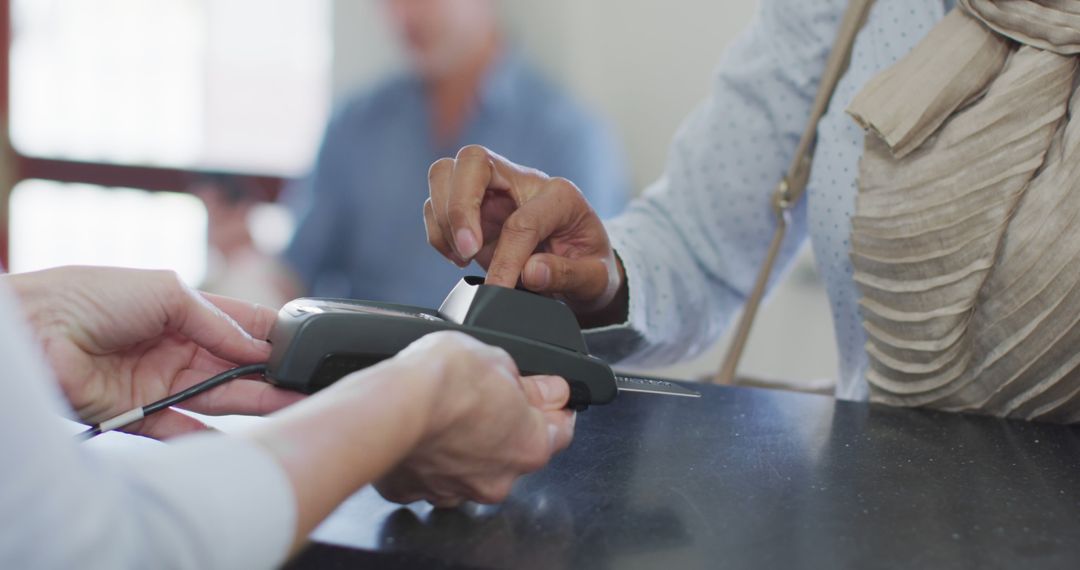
{"x": 138, "y": 413}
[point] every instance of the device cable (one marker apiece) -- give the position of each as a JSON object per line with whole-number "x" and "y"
{"x": 135, "y": 414}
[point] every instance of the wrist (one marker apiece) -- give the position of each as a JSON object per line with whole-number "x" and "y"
{"x": 406, "y": 386}
{"x": 349, "y": 435}
{"x": 409, "y": 384}
{"x": 382, "y": 410}
{"x": 617, "y": 309}
{"x": 427, "y": 374}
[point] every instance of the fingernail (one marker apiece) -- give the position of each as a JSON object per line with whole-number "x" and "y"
{"x": 553, "y": 435}
{"x": 457, "y": 261}
{"x": 466, "y": 243}
{"x": 539, "y": 274}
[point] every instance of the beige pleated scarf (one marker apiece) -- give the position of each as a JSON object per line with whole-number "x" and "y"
{"x": 966, "y": 234}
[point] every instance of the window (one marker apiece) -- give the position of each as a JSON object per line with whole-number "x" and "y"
{"x": 64, "y": 224}
{"x": 110, "y": 99}
{"x": 239, "y": 85}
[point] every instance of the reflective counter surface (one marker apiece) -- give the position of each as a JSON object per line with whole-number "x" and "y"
{"x": 749, "y": 478}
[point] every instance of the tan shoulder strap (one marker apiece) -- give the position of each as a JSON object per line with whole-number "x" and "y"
{"x": 791, "y": 187}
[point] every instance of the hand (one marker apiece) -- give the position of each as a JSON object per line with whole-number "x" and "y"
{"x": 448, "y": 419}
{"x": 121, "y": 338}
{"x": 519, "y": 223}
{"x": 487, "y": 425}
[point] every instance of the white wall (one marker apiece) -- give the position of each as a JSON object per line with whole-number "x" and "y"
{"x": 363, "y": 48}
{"x": 644, "y": 64}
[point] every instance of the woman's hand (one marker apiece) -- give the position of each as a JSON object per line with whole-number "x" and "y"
{"x": 487, "y": 424}
{"x": 447, "y": 420}
{"x": 519, "y": 223}
{"x": 121, "y": 338}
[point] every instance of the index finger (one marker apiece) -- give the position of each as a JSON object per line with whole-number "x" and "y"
{"x": 532, "y": 223}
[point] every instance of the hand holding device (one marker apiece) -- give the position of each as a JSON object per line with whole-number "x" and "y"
{"x": 487, "y": 424}
{"x": 120, "y": 338}
{"x": 317, "y": 342}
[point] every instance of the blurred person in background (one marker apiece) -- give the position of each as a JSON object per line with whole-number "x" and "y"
{"x": 359, "y": 232}
{"x": 236, "y": 266}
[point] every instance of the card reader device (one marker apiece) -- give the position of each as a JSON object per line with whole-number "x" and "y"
{"x": 317, "y": 341}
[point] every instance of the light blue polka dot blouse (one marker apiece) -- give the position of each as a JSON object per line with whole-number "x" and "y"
{"x": 693, "y": 243}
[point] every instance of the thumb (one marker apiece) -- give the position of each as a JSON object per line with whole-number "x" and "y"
{"x": 561, "y": 428}
{"x": 546, "y": 392}
{"x": 195, "y": 317}
{"x": 582, "y": 281}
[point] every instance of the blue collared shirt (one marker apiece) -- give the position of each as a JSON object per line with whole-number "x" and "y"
{"x": 361, "y": 232}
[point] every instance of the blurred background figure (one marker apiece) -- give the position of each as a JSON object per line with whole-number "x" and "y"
{"x": 361, "y": 227}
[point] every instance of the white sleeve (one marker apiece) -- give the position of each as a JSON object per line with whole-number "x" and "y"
{"x": 207, "y": 501}
{"x": 693, "y": 243}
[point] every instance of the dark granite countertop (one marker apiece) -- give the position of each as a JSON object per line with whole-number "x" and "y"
{"x": 749, "y": 478}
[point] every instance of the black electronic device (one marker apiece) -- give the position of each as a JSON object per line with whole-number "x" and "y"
{"x": 318, "y": 341}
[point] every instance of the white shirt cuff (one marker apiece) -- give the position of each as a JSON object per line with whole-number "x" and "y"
{"x": 617, "y": 342}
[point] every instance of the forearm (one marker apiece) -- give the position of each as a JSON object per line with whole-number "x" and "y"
{"x": 207, "y": 502}
{"x": 347, "y": 436}
{"x": 693, "y": 244}
{"x": 670, "y": 305}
